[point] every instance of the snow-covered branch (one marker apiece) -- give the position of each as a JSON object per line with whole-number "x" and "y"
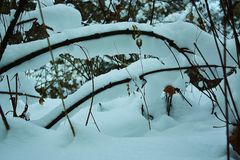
{"x": 60, "y": 40}
{"x": 56, "y": 115}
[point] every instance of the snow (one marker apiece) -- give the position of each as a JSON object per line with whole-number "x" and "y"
{"x": 189, "y": 133}
{"x": 59, "y": 11}
{"x": 186, "y": 134}
{"x": 46, "y": 3}
{"x": 124, "y": 135}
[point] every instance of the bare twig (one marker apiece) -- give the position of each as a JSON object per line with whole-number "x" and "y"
{"x": 220, "y": 56}
{"x": 222, "y": 90}
{"x": 14, "y": 104}
{"x": 4, "y": 119}
{"x": 16, "y": 95}
{"x": 90, "y": 68}
{"x": 226, "y": 93}
{"x": 174, "y": 57}
{"x": 19, "y": 94}
{"x": 95, "y": 122}
{"x": 152, "y": 14}
{"x": 27, "y": 21}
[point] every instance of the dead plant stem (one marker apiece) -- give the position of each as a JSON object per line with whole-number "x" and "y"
{"x": 56, "y": 72}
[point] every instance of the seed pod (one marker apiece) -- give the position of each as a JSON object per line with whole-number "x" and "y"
{"x": 41, "y": 101}
{"x": 139, "y": 43}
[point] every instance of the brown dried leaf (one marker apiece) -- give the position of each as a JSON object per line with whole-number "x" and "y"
{"x": 234, "y": 139}
{"x": 36, "y": 32}
{"x": 170, "y": 90}
{"x": 190, "y": 17}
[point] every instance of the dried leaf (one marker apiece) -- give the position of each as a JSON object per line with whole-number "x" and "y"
{"x": 5, "y": 7}
{"x": 190, "y": 17}
{"x": 234, "y": 139}
{"x": 198, "y": 80}
{"x": 36, "y": 32}
{"x": 15, "y": 38}
{"x": 170, "y": 90}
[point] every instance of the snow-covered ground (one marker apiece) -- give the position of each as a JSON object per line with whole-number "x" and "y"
{"x": 189, "y": 133}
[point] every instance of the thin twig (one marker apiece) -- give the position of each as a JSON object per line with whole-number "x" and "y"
{"x": 95, "y": 122}
{"x": 19, "y": 94}
{"x": 16, "y": 95}
{"x": 152, "y": 14}
{"x": 90, "y": 68}
{"x": 226, "y": 93}
{"x": 174, "y": 57}
{"x": 222, "y": 90}
{"x": 215, "y": 114}
{"x": 141, "y": 92}
{"x": 218, "y": 51}
{"x": 56, "y": 71}
{"x": 4, "y": 119}
{"x": 12, "y": 98}
{"x": 144, "y": 99}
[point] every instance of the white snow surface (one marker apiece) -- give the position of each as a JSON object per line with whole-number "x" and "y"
{"x": 61, "y": 12}
{"x": 189, "y": 133}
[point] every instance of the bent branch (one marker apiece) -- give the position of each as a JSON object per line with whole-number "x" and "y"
{"x": 84, "y": 99}
{"x": 87, "y": 38}
{"x": 113, "y": 84}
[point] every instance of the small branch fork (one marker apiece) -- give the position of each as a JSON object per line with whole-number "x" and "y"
{"x": 4, "y": 119}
